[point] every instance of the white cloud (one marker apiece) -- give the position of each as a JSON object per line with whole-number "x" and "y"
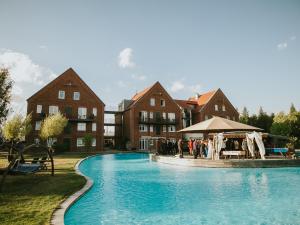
{"x": 282, "y": 46}
{"x": 195, "y": 88}
{"x": 125, "y": 58}
{"x": 293, "y": 38}
{"x": 177, "y": 86}
{"x": 28, "y": 77}
{"x": 138, "y": 77}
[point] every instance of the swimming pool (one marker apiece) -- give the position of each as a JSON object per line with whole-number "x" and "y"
{"x": 130, "y": 189}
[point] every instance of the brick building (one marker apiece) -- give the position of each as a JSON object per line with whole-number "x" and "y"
{"x": 205, "y": 106}
{"x": 150, "y": 115}
{"x": 70, "y": 95}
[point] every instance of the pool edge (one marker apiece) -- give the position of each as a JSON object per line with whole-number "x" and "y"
{"x": 58, "y": 215}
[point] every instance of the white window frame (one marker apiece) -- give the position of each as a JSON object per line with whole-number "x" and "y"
{"x": 76, "y": 95}
{"x": 150, "y": 115}
{"x": 162, "y": 103}
{"x": 79, "y": 142}
{"x": 39, "y": 108}
{"x": 82, "y": 112}
{"x": 152, "y": 101}
{"x": 53, "y": 109}
{"x": 171, "y": 116}
{"x": 216, "y": 107}
{"x": 81, "y": 126}
{"x": 151, "y": 128}
{"x": 94, "y": 126}
{"x": 164, "y": 128}
{"x": 172, "y": 128}
{"x": 144, "y": 115}
{"x": 164, "y": 115}
{"x": 143, "y": 128}
{"x": 94, "y": 142}
{"x": 61, "y": 94}
{"x": 95, "y": 111}
{"x": 38, "y": 125}
{"x": 223, "y": 108}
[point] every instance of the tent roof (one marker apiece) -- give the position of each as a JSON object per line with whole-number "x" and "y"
{"x": 218, "y": 124}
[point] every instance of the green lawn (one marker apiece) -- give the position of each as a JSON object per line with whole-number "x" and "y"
{"x": 31, "y": 199}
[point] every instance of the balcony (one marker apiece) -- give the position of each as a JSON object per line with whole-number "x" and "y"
{"x": 80, "y": 118}
{"x": 157, "y": 121}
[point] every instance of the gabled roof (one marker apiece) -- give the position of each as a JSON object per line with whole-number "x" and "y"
{"x": 69, "y": 72}
{"x": 138, "y": 96}
{"x": 204, "y": 98}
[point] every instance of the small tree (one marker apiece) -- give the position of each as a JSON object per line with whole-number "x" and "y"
{"x": 52, "y": 127}
{"x": 16, "y": 129}
{"x": 87, "y": 140}
{"x": 5, "y": 94}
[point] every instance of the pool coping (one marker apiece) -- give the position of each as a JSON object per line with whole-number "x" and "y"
{"x": 58, "y": 215}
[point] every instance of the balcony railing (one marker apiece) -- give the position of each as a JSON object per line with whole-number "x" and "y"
{"x": 80, "y": 118}
{"x": 161, "y": 121}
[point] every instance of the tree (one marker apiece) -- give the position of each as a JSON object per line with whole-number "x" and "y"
{"x": 292, "y": 109}
{"x": 244, "y": 117}
{"x": 17, "y": 128}
{"x": 88, "y": 140}
{"x": 52, "y": 126}
{"x": 5, "y": 94}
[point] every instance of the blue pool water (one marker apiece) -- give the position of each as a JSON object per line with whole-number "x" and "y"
{"x": 129, "y": 189}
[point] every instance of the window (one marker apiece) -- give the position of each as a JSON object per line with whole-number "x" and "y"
{"x": 39, "y": 108}
{"x": 206, "y": 117}
{"x": 81, "y": 126}
{"x": 172, "y": 128}
{"x": 164, "y": 128}
{"x": 76, "y": 96}
{"x": 143, "y": 116}
{"x": 143, "y": 128}
{"x": 53, "y": 109}
{"x": 233, "y": 118}
{"x": 61, "y": 94}
{"x": 162, "y": 103}
{"x": 94, "y": 142}
{"x": 80, "y": 142}
{"x": 81, "y": 113}
{"x": 152, "y": 101}
{"x": 164, "y": 115}
{"x": 151, "y": 128}
{"x": 216, "y": 108}
{"x": 95, "y": 111}
{"x": 223, "y": 108}
{"x": 38, "y": 125}
{"x": 151, "y": 115}
{"x": 171, "y": 116}
{"x": 94, "y": 126}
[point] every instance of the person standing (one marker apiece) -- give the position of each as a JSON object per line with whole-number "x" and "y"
{"x": 180, "y": 148}
{"x": 190, "y": 145}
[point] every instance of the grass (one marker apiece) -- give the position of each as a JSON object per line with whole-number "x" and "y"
{"x": 31, "y": 199}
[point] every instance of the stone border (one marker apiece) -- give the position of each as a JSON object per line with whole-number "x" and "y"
{"x": 58, "y": 216}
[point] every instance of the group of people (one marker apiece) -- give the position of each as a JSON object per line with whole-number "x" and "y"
{"x": 198, "y": 148}
{"x": 167, "y": 147}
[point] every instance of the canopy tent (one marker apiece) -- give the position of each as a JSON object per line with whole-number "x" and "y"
{"x": 218, "y": 124}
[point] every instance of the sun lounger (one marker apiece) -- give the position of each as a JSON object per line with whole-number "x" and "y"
{"x": 25, "y": 168}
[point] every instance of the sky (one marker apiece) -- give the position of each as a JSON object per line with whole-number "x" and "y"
{"x": 249, "y": 49}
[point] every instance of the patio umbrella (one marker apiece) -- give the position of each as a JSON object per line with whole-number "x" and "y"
{"x": 218, "y": 124}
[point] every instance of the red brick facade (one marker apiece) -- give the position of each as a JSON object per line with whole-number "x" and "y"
{"x": 145, "y": 121}
{"x": 69, "y": 82}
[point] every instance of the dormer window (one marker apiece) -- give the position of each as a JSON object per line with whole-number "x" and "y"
{"x": 216, "y": 108}
{"x": 61, "y": 94}
{"x": 76, "y": 96}
{"x": 152, "y": 101}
